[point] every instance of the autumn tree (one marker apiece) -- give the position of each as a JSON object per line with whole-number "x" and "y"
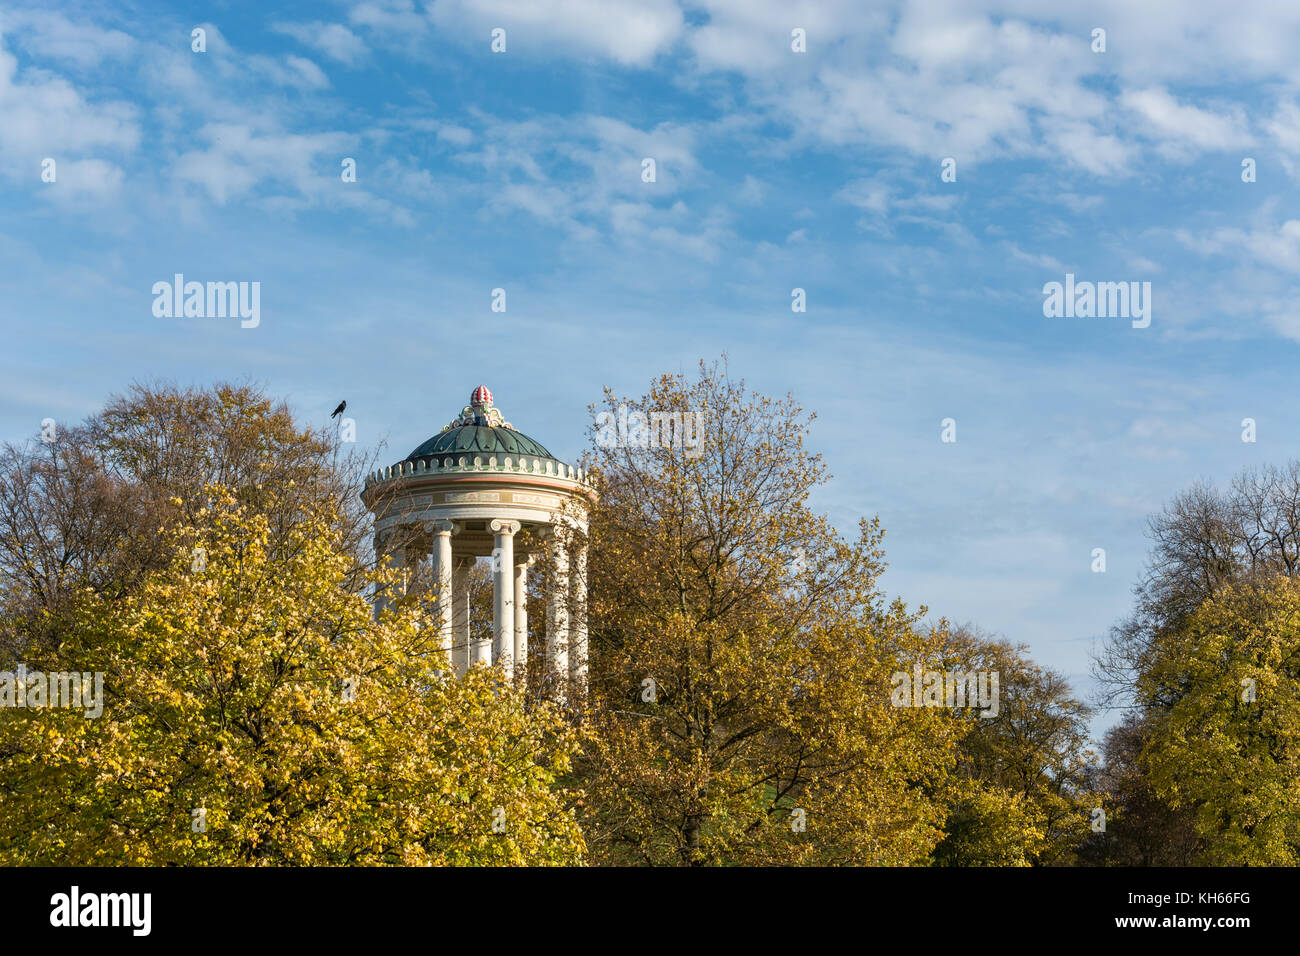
{"x": 1026, "y": 797}
{"x": 742, "y": 652}
{"x": 1214, "y": 609}
{"x": 1202, "y": 541}
{"x": 87, "y": 509}
{"x": 255, "y": 710}
{"x": 1228, "y": 747}
{"x": 1141, "y": 828}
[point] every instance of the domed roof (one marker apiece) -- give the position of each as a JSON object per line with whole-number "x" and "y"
{"x": 475, "y": 439}
{"x": 480, "y": 429}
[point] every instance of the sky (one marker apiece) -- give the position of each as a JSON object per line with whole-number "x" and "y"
{"x": 796, "y": 145}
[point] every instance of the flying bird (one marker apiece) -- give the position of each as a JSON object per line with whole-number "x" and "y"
{"x": 339, "y": 411}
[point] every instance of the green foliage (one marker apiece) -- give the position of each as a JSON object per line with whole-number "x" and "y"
{"x": 1233, "y": 761}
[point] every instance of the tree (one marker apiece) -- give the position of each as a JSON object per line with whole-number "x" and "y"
{"x": 1141, "y": 829}
{"x": 1202, "y": 541}
{"x": 742, "y": 653}
{"x": 990, "y": 826}
{"x": 1220, "y": 565}
{"x": 1028, "y": 768}
{"x": 207, "y": 556}
{"x": 1228, "y": 748}
{"x": 260, "y": 699}
{"x": 88, "y": 509}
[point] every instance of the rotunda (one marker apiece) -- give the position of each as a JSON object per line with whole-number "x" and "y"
{"x": 481, "y": 488}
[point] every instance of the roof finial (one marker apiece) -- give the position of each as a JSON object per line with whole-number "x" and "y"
{"x": 480, "y": 411}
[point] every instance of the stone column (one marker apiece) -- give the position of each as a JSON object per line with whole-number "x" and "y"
{"x": 578, "y": 625}
{"x": 521, "y": 618}
{"x": 503, "y": 595}
{"x": 557, "y": 618}
{"x": 461, "y": 654}
{"x": 442, "y": 580}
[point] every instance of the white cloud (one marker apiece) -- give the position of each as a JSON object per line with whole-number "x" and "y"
{"x": 752, "y": 190}
{"x": 1082, "y": 145}
{"x": 43, "y": 115}
{"x": 1284, "y": 127}
{"x": 632, "y": 33}
{"x": 456, "y": 135}
{"x": 332, "y": 39}
{"x": 870, "y": 194}
{"x": 295, "y": 169}
{"x": 392, "y": 18}
{"x": 608, "y": 196}
{"x": 1182, "y": 127}
{"x": 753, "y": 36}
{"x": 1041, "y": 260}
{"x": 1278, "y": 247}
{"x": 78, "y": 179}
{"x": 55, "y": 36}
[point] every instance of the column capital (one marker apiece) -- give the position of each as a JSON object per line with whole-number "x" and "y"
{"x": 439, "y": 527}
{"x": 526, "y": 562}
{"x": 504, "y": 526}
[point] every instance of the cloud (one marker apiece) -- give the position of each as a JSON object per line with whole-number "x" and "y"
{"x": 56, "y": 37}
{"x": 1182, "y": 128}
{"x": 389, "y": 18}
{"x": 1284, "y": 128}
{"x": 751, "y": 191}
{"x": 990, "y": 79}
{"x": 633, "y": 34}
{"x": 44, "y": 115}
{"x": 584, "y": 174}
{"x": 79, "y": 179}
{"x": 1080, "y": 144}
{"x": 456, "y": 135}
{"x": 1040, "y": 260}
{"x": 870, "y": 194}
{"x": 1278, "y": 246}
{"x": 332, "y": 39}
{"x": 754, "y": 36}
{"x": 286, "y": 171}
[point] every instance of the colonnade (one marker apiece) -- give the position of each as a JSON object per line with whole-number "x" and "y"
{"x": 507, "y": 648}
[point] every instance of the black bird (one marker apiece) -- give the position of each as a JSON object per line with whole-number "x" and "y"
{"x": 339, "y": 411}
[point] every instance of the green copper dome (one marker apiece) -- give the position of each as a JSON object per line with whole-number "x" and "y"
{"x": 480, "y": 439}
{"x": 480, "y": 430}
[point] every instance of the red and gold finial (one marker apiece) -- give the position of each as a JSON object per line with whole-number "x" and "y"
{"x": 480, "y": 411}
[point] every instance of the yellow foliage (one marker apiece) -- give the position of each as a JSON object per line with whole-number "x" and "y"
{"x": 262, "y": 692}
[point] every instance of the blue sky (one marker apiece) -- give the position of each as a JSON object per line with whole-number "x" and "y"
{"x": 775, "y": 169}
